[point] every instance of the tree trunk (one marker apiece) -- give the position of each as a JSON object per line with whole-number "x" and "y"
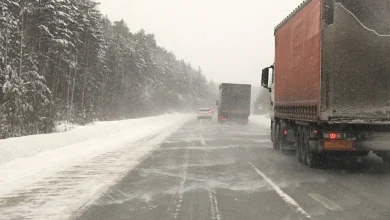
{"x": 21, "y": 45}
{"x": 6, "y": 54}
{"x": 68, "y": 93}
{"x": 73, "y": 87}
{"x": 71, "y": 100}
{"x": 85, "y": 75}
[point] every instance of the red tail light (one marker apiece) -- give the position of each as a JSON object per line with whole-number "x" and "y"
{"x": 222, "y": 118}
{"x": 285, "y": 132}
{"x": 333, "y": 136}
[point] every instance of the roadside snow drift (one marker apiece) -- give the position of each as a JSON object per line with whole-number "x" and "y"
{"x": 50, "y": 176}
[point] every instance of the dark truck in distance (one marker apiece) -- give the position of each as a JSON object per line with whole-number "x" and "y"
{"x": 330, "y": 83}
{"x": 234, "y": 102}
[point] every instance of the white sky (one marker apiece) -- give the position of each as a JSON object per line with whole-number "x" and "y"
{"x": 231, "y": 40}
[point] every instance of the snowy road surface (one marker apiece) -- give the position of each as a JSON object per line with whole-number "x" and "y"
{"x": 50, "y": 176}
{"x": 218, "y": 172}
{"x": 173, "y": 167}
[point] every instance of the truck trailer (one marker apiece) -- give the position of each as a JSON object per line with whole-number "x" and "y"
{"x": 330, "y": 81}
{"x": 234, "y": 102}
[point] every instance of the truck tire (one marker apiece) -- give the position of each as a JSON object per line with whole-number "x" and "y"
{"x": 272, "y": 131}
{"x": 304, "y": 145}
{"x": 310, "y": 156}
{"x": 282, "y": 140}
{"x": 276, "y": 137}
{"x": 273, "y": 135}
{"x": 298, "y": 152}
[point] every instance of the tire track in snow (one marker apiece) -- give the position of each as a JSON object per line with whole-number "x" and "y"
{"x": 179, "y": 197}
{"x": 216, "y": 204}
{"x": 215, "y": 215}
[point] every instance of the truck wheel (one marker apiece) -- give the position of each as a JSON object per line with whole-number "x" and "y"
{"x": 272, "y": 132}
{"x": 276, "y": 137}
{"x": 310, "y": 156}
{"x": 304, "y": 145}
{"x": 299, "y": 145}
{"x": 273, "y": 135}
{"x": 282, "y": 140}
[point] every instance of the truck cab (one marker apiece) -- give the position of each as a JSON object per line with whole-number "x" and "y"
{"x": 267, "y": 81}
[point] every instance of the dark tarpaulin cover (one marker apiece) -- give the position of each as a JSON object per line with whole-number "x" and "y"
{"x": 356, "y": 59}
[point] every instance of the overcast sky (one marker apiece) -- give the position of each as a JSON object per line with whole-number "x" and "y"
{"x": 231, "y": 40}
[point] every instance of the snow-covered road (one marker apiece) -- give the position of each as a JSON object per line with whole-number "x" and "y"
{"x": 206, "y": 170}
{"x": 49, "y": 176}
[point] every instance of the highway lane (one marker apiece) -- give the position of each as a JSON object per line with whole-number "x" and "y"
{"x": 212, "y": 171}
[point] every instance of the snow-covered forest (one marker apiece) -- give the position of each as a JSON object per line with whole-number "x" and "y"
{"x": 62, "y": 60}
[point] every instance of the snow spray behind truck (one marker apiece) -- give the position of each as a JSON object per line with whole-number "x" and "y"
{"x": 234, "y": 102}
{"x": 330, "y": 83}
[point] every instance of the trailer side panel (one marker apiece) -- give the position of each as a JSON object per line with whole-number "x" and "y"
{"x": 297, "y": 64}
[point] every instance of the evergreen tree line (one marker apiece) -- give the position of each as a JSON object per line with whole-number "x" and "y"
{"x": 63, "y": 60}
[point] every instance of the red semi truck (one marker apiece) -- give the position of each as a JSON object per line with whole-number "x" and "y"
{"x": 330, "y": 83}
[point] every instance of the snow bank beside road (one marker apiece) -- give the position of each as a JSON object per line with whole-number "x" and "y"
{"x": 16, "y": 148}
{"x": 52, "y": 175}
{"x": 61, "y": 126}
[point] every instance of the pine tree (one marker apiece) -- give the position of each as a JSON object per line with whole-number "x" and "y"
{"x": 62, "y": 60}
